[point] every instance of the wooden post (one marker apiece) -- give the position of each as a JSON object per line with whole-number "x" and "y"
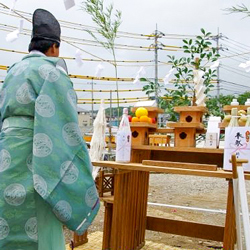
{"x": 230, "y": 230}
{"x": 107, "y": 225}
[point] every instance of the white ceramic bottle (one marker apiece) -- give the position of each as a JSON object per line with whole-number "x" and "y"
{"x": 234, "y": 102}
{"x": 123, "y": 139}
{"x": 247, "y": 103}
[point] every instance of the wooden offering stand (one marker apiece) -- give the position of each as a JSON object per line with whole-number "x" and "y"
{"x": 227, "y": 109}
{"x": 140, "y": 130}
{"x": 190, "y": 123}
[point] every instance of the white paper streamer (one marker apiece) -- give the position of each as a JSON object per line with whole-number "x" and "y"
{"x": 21, "y": 22}
{"x": 139, "y": 74}
{"x": 199, "y": 87}
{"x": 168, "y": 75}
{"x": 98, "y": 143}
{"x": 198, "y": 74}
{"x": 99, "y": 70}
{"x": 14, "y": 35}
{"x": 13, "y": 6}
{"x": 69, "y": 4}
{"x": 78, "y": 58}
{"x": 215, "y": 64}
{"x": 245, "y": 66}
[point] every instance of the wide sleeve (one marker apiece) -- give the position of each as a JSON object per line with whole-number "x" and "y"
{"x": 61, "y": 165}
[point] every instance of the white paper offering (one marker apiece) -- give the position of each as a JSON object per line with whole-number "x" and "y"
{"x": 13, "y": 36}
{"x": 211, "y": 140}
{"x": 168, "y": 75}
{"x": 139, "y": 74}
{"x": 69, "y": 4}
{"x": 78, "y": 58}
{"x": 99, "y": 70}
{"x": 13, "y": 6}
{"x": 237, "y": 141}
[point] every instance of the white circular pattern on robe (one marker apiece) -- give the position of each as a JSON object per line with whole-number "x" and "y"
{"x": 20, "y": 68}
{"x": 45, "y": 106}
{"x": 4, "y": 228}
{"x": 42, "y": 145}
{"x": 5, "y": 160}
{"x": 69, "y": 172}
{"x": 40, "y": 185}
{"x": 49, "y": 72}
{"x": 2, "y": 97}
{"x": 31, "y": 228}
{"x": 71, "y": 134}
{"x": 25, "y": 94}
{"x": 15, "y": 194}
{"x": 63, "y": 210}
{"x": 29, "y": 162}
{"x": 91, "y": 196}
{"x": 72, "y": 98}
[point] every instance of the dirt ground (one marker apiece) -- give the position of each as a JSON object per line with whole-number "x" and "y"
{"x": 189, "y": 191}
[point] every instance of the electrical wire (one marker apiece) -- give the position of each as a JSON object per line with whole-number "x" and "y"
{"x": 234, "y": 83}
{"x": 230, "y": 70}
{"x": 236, "y": 69}
{"x": 235, "y": 51}
{"x": 229, "y": 39}
{"x": 6, "y": 7}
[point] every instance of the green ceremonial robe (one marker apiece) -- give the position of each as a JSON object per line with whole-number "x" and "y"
{"x": 45, "y": 170}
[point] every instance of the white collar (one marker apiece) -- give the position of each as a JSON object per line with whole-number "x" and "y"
{"x": 36, "y": 52}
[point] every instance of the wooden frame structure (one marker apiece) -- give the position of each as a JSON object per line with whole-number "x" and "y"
{"x": 125, "y": 224}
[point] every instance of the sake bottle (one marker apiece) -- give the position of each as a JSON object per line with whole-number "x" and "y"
{"x": 123, "y": 139}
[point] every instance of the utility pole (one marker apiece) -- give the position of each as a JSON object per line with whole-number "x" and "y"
{"x": 156, "y": 46}
{"x": 156, "y": 66}
{"x": 218, "y": 68}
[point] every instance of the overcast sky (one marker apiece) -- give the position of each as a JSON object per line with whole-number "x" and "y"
{"x": 183, "y": 17}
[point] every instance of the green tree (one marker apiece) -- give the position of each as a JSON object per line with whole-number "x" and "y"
{"x": 108, "y": 22}
{"x": 150, "y": 88}
{"x": 199, "y": 53}
{"x": 213, "y": 107}
{"x": 242, "y": 98}
{"x": 238, "y": 9}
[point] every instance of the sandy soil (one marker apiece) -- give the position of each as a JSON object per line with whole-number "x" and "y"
{"x": 189, "y": 191}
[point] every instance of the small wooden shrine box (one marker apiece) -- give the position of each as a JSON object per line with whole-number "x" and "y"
{"x": 140, "y": 130}
{"x": 190, "y": 122}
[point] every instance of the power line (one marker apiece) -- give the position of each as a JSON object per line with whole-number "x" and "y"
{"x": 238, "y": 42}
{"x": 234, "y": 83}
{"x": 6, "y": 7}
{"x": 235, "y": 69}
{"x": 78, "y": 26}
{"x": 238, "y": 46}
{"x": 224, "y": 56}
{"x": 230, "y": 70}
{"x": 235, "y": 72}
{"x": 235, "y": 51}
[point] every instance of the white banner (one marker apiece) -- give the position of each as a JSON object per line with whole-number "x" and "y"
{"x": 237, "y": 141}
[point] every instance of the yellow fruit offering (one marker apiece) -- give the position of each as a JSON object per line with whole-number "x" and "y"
{"x": 144, "y": 118}
{"x": 242, "y": 112}
{"x": 141, "y": 112}
{"x": 243, "y": 118}
{"x": 227, "y": 118}
{"x": 135, "y": 119}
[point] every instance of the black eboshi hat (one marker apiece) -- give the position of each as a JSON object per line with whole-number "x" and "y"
{"x": 45, "y": 26}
